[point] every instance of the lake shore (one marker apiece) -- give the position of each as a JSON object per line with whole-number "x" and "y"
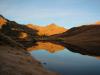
{"x": 16, "y": 61}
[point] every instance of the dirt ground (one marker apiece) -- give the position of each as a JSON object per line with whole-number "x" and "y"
{"x": 17, "y": 61}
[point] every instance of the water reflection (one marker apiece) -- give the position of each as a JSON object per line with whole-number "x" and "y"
{"x": 66, "y": 59}
{"x": 50, "y": 47}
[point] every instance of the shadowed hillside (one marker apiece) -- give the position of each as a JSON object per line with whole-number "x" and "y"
{"x": 86, "y": 37}
{"x": 19, "y": 33}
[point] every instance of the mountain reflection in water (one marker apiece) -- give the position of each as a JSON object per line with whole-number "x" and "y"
{"x": 50, "y": 47}
{"x": 66, "y": 61}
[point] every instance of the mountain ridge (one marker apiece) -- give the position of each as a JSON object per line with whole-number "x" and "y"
{"x": 48, "y": 30}
{"x": 86, "y": 37}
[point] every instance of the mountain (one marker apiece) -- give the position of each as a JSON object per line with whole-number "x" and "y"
{"x": 2, "y": 21}
{"x": 21, "y": 33}
{"x": 86, "y": 37}
{"x": 98, "y": 23}
{"x": 48, "y": 30}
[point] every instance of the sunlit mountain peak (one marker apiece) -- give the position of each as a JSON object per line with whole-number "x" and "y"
{"x": 50, "y": 29}
{"x": 51, "y": 25}
{"x": 98, "y": 22}
{"x": 3, "y": 21}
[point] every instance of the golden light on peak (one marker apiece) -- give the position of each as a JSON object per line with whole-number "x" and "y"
{"x": 2, "y": 21}
{"x": 98, "y": 22}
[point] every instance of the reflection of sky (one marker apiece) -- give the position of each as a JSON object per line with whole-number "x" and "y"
{"x": 68, "y": 63}
{"x": 67, "y": 13}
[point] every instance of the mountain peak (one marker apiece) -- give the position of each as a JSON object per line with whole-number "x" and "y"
{"x": 98, "y": 23}
{"x": 50, "y": 29}
{"x": 51, "y": 25}
{"x": 2, "y": 20}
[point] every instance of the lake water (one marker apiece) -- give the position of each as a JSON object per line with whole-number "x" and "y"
{"x": 59, "y": 59}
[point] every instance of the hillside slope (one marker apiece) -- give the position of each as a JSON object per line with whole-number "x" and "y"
{"x": 18, "y": 32}
{"x": 86, "y": 37}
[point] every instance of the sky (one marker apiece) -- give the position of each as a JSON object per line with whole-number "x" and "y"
{"x": 66, "y": 13}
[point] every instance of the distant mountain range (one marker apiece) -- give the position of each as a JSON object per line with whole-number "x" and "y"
{"x": 48, "y": 30}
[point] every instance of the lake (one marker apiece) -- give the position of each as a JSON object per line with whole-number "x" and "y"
{"x": 59, "y": 59}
